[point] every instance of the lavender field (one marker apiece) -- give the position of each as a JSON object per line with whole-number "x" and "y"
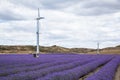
{"x": 59, "y": 67}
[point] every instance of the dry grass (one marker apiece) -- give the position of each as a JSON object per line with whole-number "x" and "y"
{"x": 57, "y": 49}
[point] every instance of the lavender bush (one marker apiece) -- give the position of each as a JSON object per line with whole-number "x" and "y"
{"x": 50, "y": 66}
{"x": 107, "y": 72}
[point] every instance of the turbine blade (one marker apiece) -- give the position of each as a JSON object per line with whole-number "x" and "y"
{"x": 38, "y": 12}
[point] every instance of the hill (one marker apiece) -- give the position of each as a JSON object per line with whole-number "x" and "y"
{"x": 56, "y": 49}
{"x": 109, "y": 50}
{"x": 43, "y": 49}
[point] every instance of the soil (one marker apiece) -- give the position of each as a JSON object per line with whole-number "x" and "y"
{"x": 117, "y": 76}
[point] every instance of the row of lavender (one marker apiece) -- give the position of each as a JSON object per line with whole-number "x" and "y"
{"x": 107, "y": 72}
{"x": 53, "y": 66}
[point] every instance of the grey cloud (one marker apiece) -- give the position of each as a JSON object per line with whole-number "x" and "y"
{"x": 34, "y": 4}
{"x": 46, "y": 4}
{"x": 84, "y": 7}
{"x": 8, "y": 15}
{"x": 99, "y": 7}
{"x": 53, "y": 4}
{"x": 52, "y": 36}
{"x": 19, "y": 29}
{"x": 101, "y": 4}
{"x": 58, "y": 4}
{"x": 96, "y": 11}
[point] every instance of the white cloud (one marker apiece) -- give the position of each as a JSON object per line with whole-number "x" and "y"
{"x": 60, "y": 26}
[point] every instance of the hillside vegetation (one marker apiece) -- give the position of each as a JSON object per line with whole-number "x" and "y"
{"x": 56, "y": 49}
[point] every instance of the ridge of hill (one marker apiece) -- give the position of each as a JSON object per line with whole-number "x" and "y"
{"x": 55, "y": 49}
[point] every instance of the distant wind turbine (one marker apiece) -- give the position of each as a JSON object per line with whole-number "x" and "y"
{"x": 98, "y": 45}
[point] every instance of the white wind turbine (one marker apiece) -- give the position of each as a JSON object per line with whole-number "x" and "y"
{"x": 98, "y": 50}
{"x": 37, "y": 33}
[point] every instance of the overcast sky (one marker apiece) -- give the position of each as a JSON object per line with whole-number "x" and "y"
{"x": 67, "y": 23}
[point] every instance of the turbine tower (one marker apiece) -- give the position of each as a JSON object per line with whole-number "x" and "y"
{"x": 98, "y": 51}
{"x": 37, "y": 33}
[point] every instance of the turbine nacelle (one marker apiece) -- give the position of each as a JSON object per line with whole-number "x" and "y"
{"x": 39, "y": 18}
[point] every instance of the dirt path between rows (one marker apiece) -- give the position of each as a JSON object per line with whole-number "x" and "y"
{"x": 117, "y": 76}
{"x": 83, "y": 78}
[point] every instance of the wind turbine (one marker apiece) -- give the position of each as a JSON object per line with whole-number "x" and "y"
{"x": 98, "y": 51}
{"x": 37, "y": 33}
